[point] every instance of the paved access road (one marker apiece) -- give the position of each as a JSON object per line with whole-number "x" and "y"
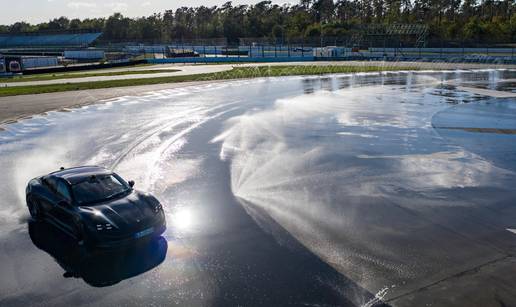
{"x": 338, "y": 190}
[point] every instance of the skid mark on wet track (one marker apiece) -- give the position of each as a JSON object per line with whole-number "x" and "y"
{"x": 140, "y": 140}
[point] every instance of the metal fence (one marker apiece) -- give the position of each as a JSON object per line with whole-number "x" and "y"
{"x": 183, "y": 53}
{"x": 357, "y": 39}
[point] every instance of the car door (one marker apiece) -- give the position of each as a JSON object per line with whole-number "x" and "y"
{"x": 63, "y": 210}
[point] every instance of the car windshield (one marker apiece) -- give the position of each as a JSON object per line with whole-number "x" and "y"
{"x": 98, "y": 188}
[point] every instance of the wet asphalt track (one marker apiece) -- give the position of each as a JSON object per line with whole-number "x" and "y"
{"x": 334, "y": 190}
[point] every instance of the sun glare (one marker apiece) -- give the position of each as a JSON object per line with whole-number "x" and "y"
{"x": 182, "y": 219}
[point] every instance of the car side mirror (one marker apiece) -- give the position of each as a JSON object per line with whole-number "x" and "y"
{"x": 131, "y": 183}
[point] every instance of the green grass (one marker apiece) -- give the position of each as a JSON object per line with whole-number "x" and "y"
{"x": 236, "y": 73}
{"x": 57, "y": 76}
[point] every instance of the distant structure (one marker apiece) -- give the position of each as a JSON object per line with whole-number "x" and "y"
{"x": 393, "y": 35}
{"x": 411, "y": 35}
{"x": 29, "y": 40}
{"x": 30, "y": 52}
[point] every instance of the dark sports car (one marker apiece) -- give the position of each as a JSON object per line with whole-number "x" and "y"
{"x": 95, "y": 206}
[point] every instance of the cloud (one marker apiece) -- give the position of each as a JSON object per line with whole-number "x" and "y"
{"x": 146, "y": 3}
{"x": 116, "y": 6}
{"x": 81, "y": 5}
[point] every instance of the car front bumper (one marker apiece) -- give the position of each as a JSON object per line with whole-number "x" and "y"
{"x": 104, "y": 243}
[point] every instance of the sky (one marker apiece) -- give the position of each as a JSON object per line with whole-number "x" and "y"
{"x": 35, "y": 11}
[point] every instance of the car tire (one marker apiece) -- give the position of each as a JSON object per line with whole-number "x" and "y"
{"x": 34, "y": 209}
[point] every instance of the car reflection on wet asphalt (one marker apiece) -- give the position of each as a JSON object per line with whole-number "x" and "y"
{"x": 97, "y": 268}
{"x": 348, "y": 190}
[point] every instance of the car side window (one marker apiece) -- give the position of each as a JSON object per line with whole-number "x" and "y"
{"x": 62, "y": 190}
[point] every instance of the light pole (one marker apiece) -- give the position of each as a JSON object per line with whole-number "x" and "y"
{"x": 321, "y": 30}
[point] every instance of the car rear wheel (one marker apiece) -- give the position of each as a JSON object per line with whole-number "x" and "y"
{"x": 34, "y": 208}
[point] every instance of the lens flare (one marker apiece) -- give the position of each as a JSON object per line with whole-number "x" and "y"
{"x": 182, "y": 219}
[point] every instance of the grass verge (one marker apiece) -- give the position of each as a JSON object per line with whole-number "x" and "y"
{"x": 57, "y": 76}
{"x": 236, "y": 73}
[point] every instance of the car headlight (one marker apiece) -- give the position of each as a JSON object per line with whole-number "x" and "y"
{"x": 157, "y": 208}
{"x": 105, "y": 226}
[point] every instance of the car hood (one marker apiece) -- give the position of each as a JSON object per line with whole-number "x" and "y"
{"x": 135, "y": 210}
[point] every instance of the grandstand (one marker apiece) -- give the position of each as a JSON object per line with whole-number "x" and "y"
{"x": 29, "y": 40}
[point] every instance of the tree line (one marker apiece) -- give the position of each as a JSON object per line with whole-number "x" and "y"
{"x": 452, "y": 20}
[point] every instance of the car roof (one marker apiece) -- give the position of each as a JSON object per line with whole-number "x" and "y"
{"x": 77, "y": 174}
